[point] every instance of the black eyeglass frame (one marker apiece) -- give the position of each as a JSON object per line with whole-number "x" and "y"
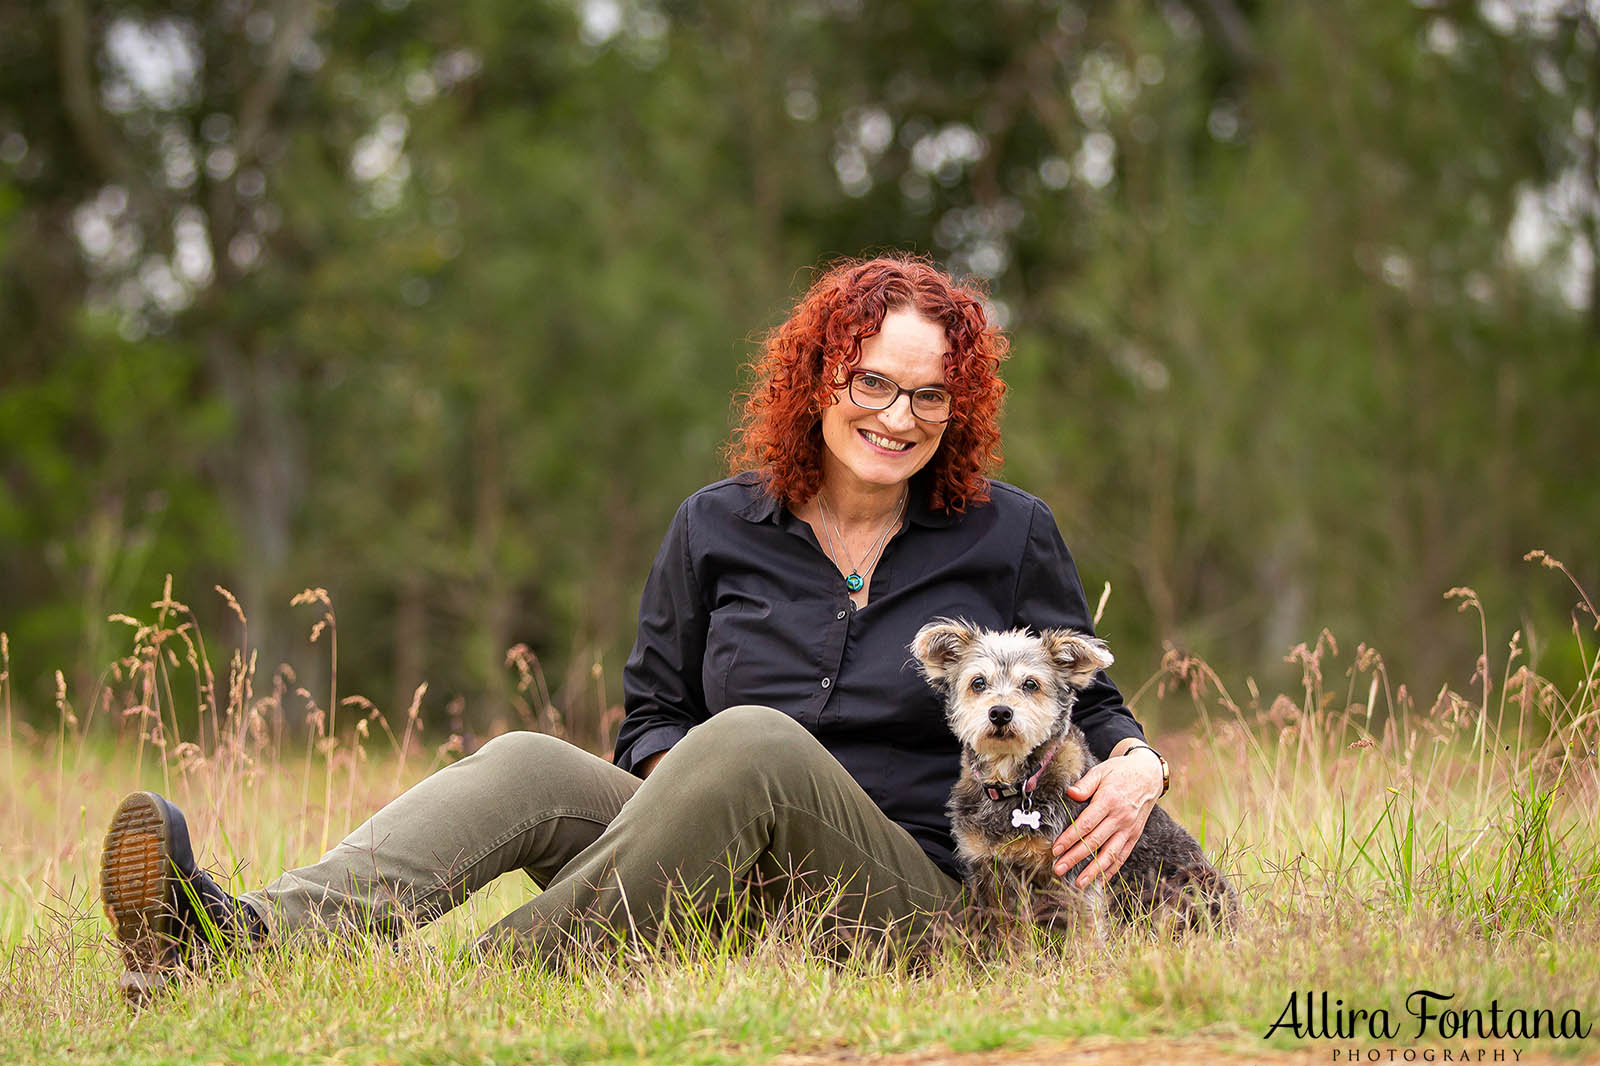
{"x": 899, "y": 391}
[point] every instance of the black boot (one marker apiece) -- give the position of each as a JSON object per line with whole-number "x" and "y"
{"x": 163, "y": 907}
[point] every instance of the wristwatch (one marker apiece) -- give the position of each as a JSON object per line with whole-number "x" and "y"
{"x": 1166, "y": 771}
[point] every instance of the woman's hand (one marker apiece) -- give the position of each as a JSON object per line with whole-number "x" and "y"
{"x": 1122, "y": 791}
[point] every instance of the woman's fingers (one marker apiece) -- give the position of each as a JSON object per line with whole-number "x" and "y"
{"x": 1107, "y": 861}
{"x": 1116, "y": 811}
{"x": 1085, "y": 786}
{"x": 1085, "y": 836}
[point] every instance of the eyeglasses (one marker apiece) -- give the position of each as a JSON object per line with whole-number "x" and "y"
{"x": 877, "y": 393}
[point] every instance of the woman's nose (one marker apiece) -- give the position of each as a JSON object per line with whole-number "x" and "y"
{"x": 898, "y": 414}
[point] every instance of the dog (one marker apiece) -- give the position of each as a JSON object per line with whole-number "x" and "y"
{"x": 1008, "y": 699}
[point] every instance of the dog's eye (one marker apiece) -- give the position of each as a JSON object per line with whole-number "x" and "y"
{"x": 1030, "y": 685}
{"x": 979, "y": 684}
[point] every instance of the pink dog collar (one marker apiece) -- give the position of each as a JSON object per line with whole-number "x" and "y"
{"x": 1006, "y": 790}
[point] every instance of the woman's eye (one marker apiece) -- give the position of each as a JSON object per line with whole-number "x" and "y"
{"x": 871, "y": 381}
{"x": 1030, "y": 685}
{"x": 979, "y": 684}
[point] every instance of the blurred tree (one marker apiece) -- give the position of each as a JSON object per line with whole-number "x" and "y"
{"x": 440, "y": 306}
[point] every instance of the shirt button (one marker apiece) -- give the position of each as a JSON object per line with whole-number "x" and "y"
{"x": 839, "y": 615}
{"x": 827, "y": 681}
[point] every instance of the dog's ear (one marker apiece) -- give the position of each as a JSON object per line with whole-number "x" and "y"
{"x": 940, "y": 644}
{"x": 1076, "y": 655}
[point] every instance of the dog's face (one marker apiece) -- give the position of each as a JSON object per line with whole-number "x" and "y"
{"x": 1007, "y": 692}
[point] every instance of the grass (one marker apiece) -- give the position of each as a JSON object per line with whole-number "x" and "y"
{"x": 1381, "y": 847}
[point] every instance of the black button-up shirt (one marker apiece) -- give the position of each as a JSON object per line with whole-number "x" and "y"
{"x": 743, "y": 606}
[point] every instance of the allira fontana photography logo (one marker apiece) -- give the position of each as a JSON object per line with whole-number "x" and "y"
{"x": 1426, "y": 1016}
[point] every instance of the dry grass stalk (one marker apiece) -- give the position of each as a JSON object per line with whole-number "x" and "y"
{"x": 1352, "y": 822}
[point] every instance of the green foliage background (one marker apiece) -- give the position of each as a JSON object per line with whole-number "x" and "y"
{"x": 440, "y": 307}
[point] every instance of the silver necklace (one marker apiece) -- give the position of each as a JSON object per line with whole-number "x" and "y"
{"x": 853, "y": 581}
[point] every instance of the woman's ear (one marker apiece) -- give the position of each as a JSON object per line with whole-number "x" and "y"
{"x": 940, "y": 645}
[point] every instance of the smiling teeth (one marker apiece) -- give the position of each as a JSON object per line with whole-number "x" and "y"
{"x": 885, "y": 442}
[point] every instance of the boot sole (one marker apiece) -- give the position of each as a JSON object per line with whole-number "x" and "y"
{"x": 134, "y": 883}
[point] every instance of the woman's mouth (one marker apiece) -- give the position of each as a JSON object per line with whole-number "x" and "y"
{"x": 884, "y": 444}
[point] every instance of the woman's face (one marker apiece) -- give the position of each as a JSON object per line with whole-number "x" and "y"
{"x": 865, "y": 448}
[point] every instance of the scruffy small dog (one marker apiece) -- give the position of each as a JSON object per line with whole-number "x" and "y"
{"x": 1008, "y": 699}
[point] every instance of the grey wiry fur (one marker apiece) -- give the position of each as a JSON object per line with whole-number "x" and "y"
{"x": 1009, "y": 868}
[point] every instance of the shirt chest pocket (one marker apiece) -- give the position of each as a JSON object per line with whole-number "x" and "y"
{"x": 722, "y": 650}
{"x": 751, "y": 657}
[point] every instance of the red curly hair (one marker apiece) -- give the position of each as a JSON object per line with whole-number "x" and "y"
{"x": 802, "y": 360}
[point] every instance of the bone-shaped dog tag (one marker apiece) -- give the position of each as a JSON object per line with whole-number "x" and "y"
{"x": 1020, "y": 817}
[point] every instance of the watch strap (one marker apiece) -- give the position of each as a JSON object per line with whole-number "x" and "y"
{"x": 1166, "y": 771}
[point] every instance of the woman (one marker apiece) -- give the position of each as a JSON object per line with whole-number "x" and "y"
{"x": 776, "y": 729}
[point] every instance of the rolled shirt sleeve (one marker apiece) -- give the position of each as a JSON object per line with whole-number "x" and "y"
{"x": 1049, "y": 596}
{"x": 661, "y": 686}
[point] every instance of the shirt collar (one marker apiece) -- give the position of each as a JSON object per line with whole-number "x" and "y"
{"x": 918, "y": 511}
{"x": 764, "y": 507}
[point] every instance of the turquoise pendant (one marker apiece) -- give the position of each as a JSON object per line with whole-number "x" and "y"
{"x": 853, "y": 582}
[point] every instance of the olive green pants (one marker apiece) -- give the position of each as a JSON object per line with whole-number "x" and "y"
{"x": 747, "y": 800}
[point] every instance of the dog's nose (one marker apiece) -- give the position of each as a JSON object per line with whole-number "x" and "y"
{"x": 1000, "y": 715}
